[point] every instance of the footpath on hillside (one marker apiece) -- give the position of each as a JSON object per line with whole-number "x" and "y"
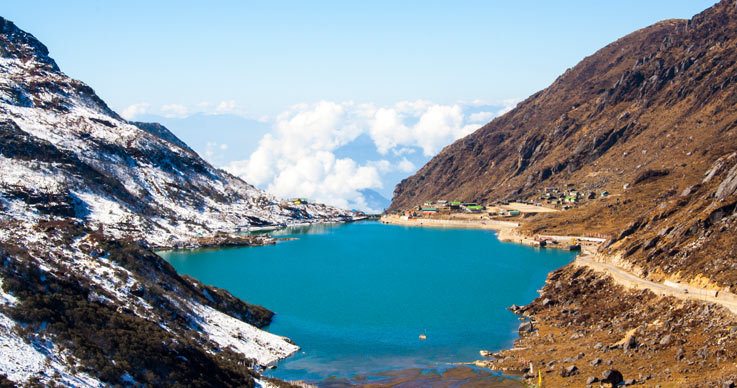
{"x": 682, "y": 291}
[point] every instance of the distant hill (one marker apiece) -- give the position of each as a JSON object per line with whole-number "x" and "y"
{"x": 218, "y": 138}
{"x": 375, "y": 201}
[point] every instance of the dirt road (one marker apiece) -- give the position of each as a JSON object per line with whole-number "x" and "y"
{"x": 628, "y": 279}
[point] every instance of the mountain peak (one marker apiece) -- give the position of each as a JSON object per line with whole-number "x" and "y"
{"x": 18, "y": 44}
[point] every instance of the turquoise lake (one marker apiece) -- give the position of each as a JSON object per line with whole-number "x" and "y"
{"x": 357, "y": 296}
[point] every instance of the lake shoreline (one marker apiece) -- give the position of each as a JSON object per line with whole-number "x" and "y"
{"x": 469, "y": 271}
{"x": 576, "y": 354}
{"x": 237, "y": 239}
{"x": 508, "y": 231}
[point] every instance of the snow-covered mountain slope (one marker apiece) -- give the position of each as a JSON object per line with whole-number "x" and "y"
{"x": 62, "y": 144}
{"x": 84, "y": 198}
{"x": 79, "y": 309}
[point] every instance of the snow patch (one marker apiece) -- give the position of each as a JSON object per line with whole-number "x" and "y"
{"x": 21, "y": 361}
{"x": 243, "y": 338}
{"x": 5, "y": 298}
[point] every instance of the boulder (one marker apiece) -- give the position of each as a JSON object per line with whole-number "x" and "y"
{"x": 569, "y": 371}
{"x": 630, "y": 342}
{"x": 728, "y": 185}
{"x": 651, "y": 243}
{"x": 525, "y": 327}
{"x": 592, "y": 379}
{"x": 665, "y": 340}
{"x": 612, "y": 376}
{"x": 680, "y": 354}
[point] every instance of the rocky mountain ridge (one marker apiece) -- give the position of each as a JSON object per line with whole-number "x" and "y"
{"x": 649, "y": 118}
{"x": 65, "y": 146}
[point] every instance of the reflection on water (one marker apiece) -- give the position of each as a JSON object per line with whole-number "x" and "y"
{"x": 297, "y": 230}
{"x": 307, "y": 229}
{"x": 450, "y": 377}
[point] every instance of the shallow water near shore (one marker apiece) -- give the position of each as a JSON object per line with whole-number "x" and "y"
{"x": 357, "y": 296}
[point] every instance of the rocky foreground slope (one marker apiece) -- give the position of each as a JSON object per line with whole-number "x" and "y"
{"x": 651, "y": 119}
{"x": 84, "y": 197}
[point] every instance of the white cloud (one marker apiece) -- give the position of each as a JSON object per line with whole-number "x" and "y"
{"x": 382, "y": 166}
{"x": 298, "y": 157}
{"x": 388, "y": 131}
{"x": 405, "y": 165}
{"x": 425, "y": 125}
{"x": 213, "y": 151}
{"x": 134, "y": 110}
{"x": 227, "y": 107}
{"x": 481, "y": 117}
{"x": 174, "y": 111}
{"x": 509, "y": 104}
{"x": 403, "y": 151}
{"x": 438, "y": 126}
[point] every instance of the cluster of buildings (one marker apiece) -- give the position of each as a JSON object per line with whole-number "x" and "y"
{"x": 550, "y": 197}
{"x": 299, "y": 201}
{"x": 431, "y": 208}
{"x": 554, "y": 196}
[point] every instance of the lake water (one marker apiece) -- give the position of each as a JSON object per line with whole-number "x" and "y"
{"x": 357, "y": 296}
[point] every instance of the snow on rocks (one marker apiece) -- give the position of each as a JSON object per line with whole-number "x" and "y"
{"x": 5, "y": 298}
{"x": 168, "y": 195}
{"x": 68, "y": 158}
{"x": 21, "y": 361}
{"x": 241, "y": 337}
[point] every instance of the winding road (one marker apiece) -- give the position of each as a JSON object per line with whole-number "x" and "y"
{"x": 630, "y": 280}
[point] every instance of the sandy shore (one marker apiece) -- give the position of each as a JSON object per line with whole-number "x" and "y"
{"x": 507, "y": 229}
{"x": 437, "y": 223}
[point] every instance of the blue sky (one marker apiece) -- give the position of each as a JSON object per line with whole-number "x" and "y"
{"x": 409, "y": 76}
{"x": 272, "y": 54}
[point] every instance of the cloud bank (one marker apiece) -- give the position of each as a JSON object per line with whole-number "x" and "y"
{"x": 298, "y": 158}
{"x": 332, "y": 151}
{"x": 179, "y": 111}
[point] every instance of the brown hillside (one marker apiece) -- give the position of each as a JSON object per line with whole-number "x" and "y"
{"x": 655, "y": 110}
